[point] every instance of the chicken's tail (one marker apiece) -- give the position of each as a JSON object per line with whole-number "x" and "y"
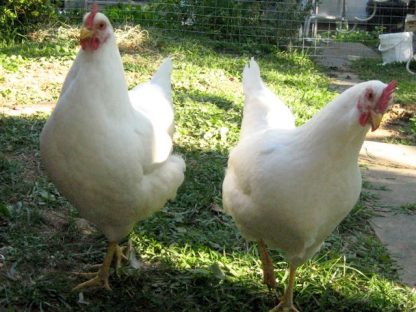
{"x": 251, "y": 78}
{"x": 162, "y": 76}
{"x": 262, "y": 108}
{"x": 154, "y": 99}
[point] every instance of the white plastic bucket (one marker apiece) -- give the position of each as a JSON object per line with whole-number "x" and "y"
{"x": 396, "y": 47}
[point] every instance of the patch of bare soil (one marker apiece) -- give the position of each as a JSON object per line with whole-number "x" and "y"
{"x": 32, "y": 87}
{"x": 341, "y": 80}
{"x": 28, "y": 110}
{"x": 395, "y": 127}
{"x": 30, "y": 165}
{"x": 56, "y": 220}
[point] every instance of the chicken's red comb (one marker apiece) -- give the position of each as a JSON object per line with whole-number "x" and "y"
{"x": 90, "y": 19}
{"x": 385, "y": 97}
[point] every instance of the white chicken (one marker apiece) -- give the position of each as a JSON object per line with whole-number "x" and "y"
{"x": 290, "y": 187}
{"x": 109, "y": 151}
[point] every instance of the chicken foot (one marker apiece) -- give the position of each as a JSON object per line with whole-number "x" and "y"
{"x": 268, "y": 273}
{"x": 100, "y": 278}
{"x": 286, "y": 304}
{"x": 122, "y": 254}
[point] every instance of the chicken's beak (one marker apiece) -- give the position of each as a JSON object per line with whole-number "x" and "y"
{"x": 375, "y": 119}
{"x": 86, "y": 33}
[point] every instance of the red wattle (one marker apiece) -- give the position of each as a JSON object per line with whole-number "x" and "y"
{"x": 363, "y": 118}
{"x": 90, "y": 44}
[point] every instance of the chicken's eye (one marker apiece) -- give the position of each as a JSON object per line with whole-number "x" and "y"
{"x": 101, "y": 25}
{"x": 369, "y": 95}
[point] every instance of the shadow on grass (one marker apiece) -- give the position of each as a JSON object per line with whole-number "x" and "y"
{"x": 38, "y": 252}
{"x": 160, "y": 287}
{"x": 208, "y": 97}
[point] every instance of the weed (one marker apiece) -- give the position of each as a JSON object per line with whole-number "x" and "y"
{"x": 407, "y": 209}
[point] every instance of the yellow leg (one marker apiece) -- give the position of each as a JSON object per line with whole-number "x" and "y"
{"x": 101, "y": 277}
{"x": 121, "y": 255}
{"x": 268, "y": 273}
{"x": 286, "y": 304}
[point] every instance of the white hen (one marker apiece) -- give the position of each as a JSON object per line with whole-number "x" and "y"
{"x": 290, "y": 187}
{"x": 108, "y": 150}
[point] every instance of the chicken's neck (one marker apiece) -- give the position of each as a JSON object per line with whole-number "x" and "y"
{"x": 102, "y": 78}
{"x": 335, "y": 130}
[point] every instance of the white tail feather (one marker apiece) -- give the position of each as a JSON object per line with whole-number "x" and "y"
{"x": 163, "y": 74}
{"x": 154, "y": 98}
{"x": 262, "y": 108}
{"x": 251, "y": 78}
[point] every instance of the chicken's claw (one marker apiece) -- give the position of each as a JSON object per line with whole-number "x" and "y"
{"x": 96, "y": 281}
{"x": 100, "y": 278}
{"x": 122, "y": 254}
{"x": 282, "y": 307}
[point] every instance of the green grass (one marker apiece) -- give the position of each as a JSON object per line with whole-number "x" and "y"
{"x": 195, "y": 258}
{"x": 369, "y": 38}
{"x": 373, "y": 69}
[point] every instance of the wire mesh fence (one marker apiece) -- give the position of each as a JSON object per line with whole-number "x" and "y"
{"x": 264, "y": 22}
{"x": 304, "y": 24}
{"x": 288, "y": 24}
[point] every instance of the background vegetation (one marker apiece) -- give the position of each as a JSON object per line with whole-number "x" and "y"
{"x": 266, "y": 22}
{"x": 17, "y": 17}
